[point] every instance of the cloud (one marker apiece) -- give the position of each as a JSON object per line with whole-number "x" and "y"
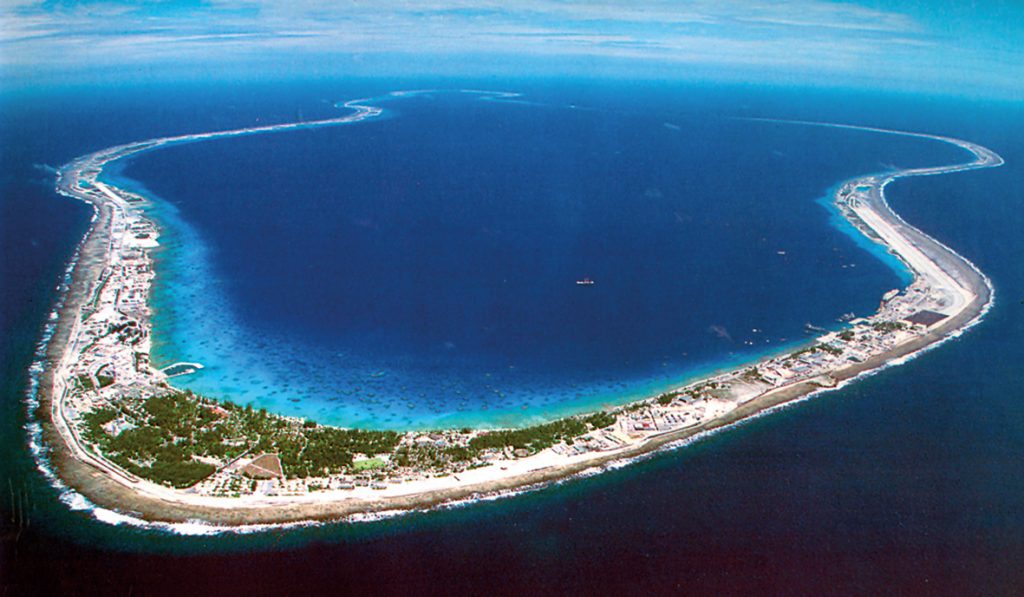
{"x": 804, "y": 34}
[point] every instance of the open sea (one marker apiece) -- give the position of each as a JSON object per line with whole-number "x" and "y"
{"x": 419, "y": 270}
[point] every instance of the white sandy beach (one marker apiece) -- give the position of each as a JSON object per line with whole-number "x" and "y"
{"x": 944, "y": 283}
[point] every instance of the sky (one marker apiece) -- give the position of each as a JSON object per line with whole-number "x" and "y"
{"x": 945, "y": 46}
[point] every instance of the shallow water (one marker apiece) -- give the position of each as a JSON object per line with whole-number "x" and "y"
{"x": 906, "y": 482}
{"x": 419, "y": 271}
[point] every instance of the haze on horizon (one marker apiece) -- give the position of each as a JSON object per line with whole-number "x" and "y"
{"x": 944, "y": 47}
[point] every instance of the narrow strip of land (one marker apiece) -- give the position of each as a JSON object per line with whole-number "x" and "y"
{"x": 121, "y": 435}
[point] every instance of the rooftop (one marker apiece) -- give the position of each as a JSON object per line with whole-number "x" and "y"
{"x": 925, "y": 318}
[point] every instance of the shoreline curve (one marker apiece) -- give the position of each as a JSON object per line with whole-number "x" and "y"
{"x": 105, "y": 485}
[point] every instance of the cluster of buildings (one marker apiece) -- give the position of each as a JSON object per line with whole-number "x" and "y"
{"x": 108, "y": 361}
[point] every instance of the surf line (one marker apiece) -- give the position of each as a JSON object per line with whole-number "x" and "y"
{"x": 966, "y": 295}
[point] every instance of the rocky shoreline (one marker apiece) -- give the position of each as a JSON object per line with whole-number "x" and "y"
{"x": 932, "y": 263}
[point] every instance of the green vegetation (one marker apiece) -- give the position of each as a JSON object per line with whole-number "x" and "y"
{"x": 324, "y": 450}
{"x": 160, "y": 447}
{"x": 822, "y": 347}
{"x": 367, "y": 464}
{"x": 86, "y": 382}
{"x": 802, "y": 352}
{"x": 536, "y": 438}
{"x": 458, "y": 454}
{"x": 600, "y": 420}
{"x": 830, "y": 349}
{"x": 704, "y": 387}
{"x": 846, "y": 335}
{"x": 532, "y": 439}
{"x": 754, "y": 375}
{"x": 178, "y": 439}
{"x": 94, "y": 422}
{"x": 888, "y": 326}
{"x": 433, "y": 457}
{"x": 166, "y": 434}
{"x": 178, "y": 414}
{"x": 151, "y": 452}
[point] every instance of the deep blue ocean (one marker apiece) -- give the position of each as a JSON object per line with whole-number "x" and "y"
{"x": 419, "y": 270}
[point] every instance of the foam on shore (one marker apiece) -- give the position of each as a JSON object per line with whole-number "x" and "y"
{"x": 77, "y": 501}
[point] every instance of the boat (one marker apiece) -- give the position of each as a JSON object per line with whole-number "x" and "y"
{"x": 585, "y": 282}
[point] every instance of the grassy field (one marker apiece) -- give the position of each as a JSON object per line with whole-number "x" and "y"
{"x": 368, "y": 464}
